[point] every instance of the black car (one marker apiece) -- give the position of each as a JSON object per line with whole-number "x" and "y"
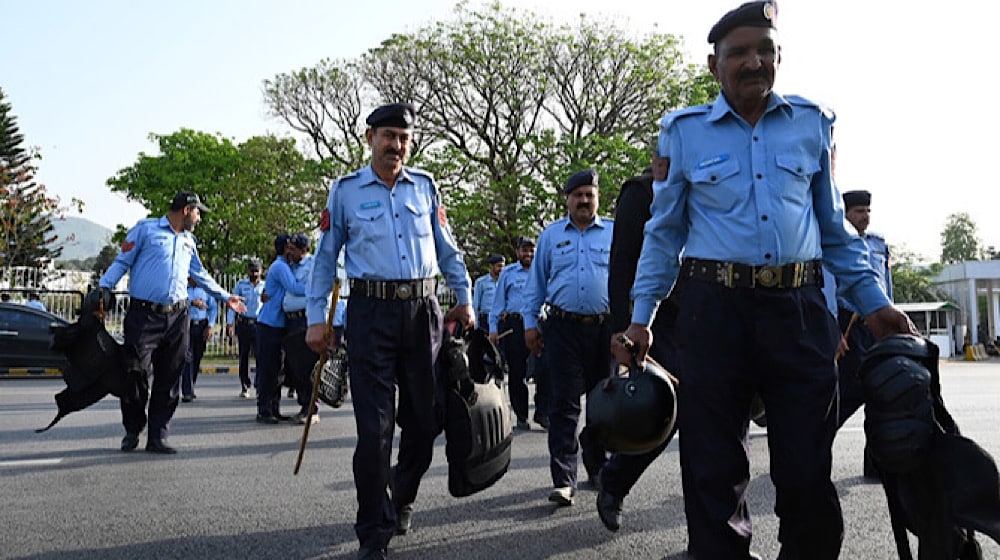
{"x": 26, "y": 338}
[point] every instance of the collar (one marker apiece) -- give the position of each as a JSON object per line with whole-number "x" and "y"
{"x": 721, "y": 107}
{"x": 369, "y": 177}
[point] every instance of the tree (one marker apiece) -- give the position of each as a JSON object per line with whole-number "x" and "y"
{"x": 12, "y": 153}
{"x": 508, "y": 106}
{"x": 102, "y": 262}
{"x": 912, "y": 282}
{"x": 255, "y": 190}
{"x": 959, "y": 240}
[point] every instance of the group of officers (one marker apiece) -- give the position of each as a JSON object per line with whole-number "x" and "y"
{"x": 726, "y": 242}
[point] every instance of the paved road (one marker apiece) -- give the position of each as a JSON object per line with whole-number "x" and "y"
{"x": 230, "y": 493}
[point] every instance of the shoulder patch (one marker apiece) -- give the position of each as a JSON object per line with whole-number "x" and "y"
{"x": 669, "y": 119}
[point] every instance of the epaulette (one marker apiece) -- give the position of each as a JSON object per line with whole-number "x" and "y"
{"x": 336, "y": 182}
{"x": 669, "y": 118}
{"x": 803, "y": 102}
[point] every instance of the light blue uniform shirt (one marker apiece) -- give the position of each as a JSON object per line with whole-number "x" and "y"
{"x": 251, "y": 298}
{"x": 570, "y": 269}
{"x": 509, "y": 295}
{"x": 196, "y": 314}
{"x": 280, "y": 281}
{"x": 161, "y": 261}
{"x": 388, "y": 234}
{"x": 878, "y": 256}
{"x": 482, "y": 294}
{"x": 758, "y": 195}
{"x": 340, "y": 314}
{"x": 301, "y": 271}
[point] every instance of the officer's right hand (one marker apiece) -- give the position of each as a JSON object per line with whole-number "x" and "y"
{"x": 316, "y": 338}
{"x": 533, "y": 340}
{"x": 494, "y": 338}
{"x": 641, "y": 338}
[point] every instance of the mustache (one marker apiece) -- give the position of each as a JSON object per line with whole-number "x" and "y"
{"x": 760, "y": 73}
{"x": 393, "y": 152}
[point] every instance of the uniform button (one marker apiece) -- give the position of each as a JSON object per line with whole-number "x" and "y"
{"x": 713, "y": 177}
{"x": 755, "y": 138}
{"x": 397, "y": 215}
{"x": 401, "y": 235}
{"x": 403, "y": 257}
{"x": 764, "y": 217}
{"x": 759, "y": 176}
{"x": 767, "y": 256}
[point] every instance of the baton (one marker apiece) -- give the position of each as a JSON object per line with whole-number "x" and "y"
{"x": 317, "y": 370}
{"x": 847, "y": 331}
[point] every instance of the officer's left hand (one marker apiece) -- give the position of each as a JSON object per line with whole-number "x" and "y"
{"x": 236, "y": 304}
{"x": 889, "y": 320}
{"x": 208, "y": 333}
{"x": 462, "y": 314}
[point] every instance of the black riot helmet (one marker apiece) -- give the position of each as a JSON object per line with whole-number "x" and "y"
{"x": 899, "y": 403}
{"x": 633, "y": 414}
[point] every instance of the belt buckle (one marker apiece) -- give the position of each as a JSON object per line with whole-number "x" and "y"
{"x": 404, "y": 290}
{"x": 768, "y": 276}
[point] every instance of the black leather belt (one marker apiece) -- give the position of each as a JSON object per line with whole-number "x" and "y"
{"x": 394, "y": 289}
{"x": 560, "y": 313}
{"x": 295, "y": 314}
{"x": 736, "y": 275}
{"x": 200, "y": 322}
{"x": 242, "y": 319}
{"x": 159, "y": 307}
{"x": 516, "y": 316}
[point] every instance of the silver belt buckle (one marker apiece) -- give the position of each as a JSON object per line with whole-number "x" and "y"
{"x": 404, "y": 291}
{"x": 769, "y": 276}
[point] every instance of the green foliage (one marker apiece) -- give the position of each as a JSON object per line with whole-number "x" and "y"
{"x": 509, "y": 105}
{"x": 255, "y": 190}
{"x": 959, "y": 240}
{"x": 912, "y": 282}
{"x": 13, "y": 154}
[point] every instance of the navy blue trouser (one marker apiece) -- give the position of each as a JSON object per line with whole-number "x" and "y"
{"x": 196, "y": 350}
{"x": 538, "y": 366}
{"x": 578, "y": 357}
{"x": 859, "y": 340}
{"x": 269, "y": 369}
{"x": 301, "y": 379}
{"x": 733, "y": 343}
{"x": 158, "y": 341}
{"x": 516, "y": 353}
{"x": 394, "y": 343}
{"x": 246, "y": 337}
{"x": 622, "y": 471}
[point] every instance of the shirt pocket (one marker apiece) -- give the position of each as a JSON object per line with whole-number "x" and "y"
{"x": 563, "y": 258}
{"x": 796, "y": 171}
{"x": 600, "y": 257}
{"x": 718, "y": 186}
{"x": 369, "y": 224}
{"x": 421, "y": 218}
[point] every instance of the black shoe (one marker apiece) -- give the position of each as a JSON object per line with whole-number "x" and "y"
{"x": 159, "y": 446}
{"x": 187, "y": 398}
{"x": 542, "y": 421}
{"x": 263, "y": 419}
{"x": 609, "y": 509}
{"x": 372, "y": 553}
{"x": 283, "y": 418}
{"x": 404, "y": 518}
{"x": 130, "y": 441}
{"x": 522, "y": 425}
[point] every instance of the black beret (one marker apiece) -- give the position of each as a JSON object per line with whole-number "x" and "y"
{"x": 525, "y": 241}
{"x": 494, "y": 259}
{"x": 857, "y": 198}
{"x": 187, "y": 198}
{"x": 399, "y": 115}
{"x": 587, "y": 177}
{"x": 751, "y": 14}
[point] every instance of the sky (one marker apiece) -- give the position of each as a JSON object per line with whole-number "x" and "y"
{"x": 89, "y": 82}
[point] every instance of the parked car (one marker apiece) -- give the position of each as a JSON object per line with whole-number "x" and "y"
{"x": 26, "y": 337}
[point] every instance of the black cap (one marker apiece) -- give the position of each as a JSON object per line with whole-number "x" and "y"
{"x": 399, "y": 115}
{"x": 525, "y": 241}
{"x": 187, "y": 198}
{"x": 586, "y": 177}
{"x": 301, "y": 241}
{"x": 751, "y": 14}
{"x": 254, "y": 264}
{"x": 280, "y": 242}
{"x": 857, "y": 198}
{"x": 494, "y": 259}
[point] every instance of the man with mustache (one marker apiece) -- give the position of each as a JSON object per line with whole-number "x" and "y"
{"x": 570, "y": 274}
{"x": 749, "y": 202}
{"x": 161, "y": 254}
{"x": 484, "y": 289}
{"x": 394, "y": 231}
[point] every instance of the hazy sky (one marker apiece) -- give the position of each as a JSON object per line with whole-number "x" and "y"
{"x": 89, "y": 80}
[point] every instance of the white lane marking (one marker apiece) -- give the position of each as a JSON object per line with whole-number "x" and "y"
{"x": 30, "y": 462}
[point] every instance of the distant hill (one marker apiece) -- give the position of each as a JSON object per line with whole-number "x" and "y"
{"x": 80, "y": 238}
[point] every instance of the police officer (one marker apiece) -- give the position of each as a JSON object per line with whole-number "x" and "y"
{"x": 622, "y": 471}
{"x": 394, "y": 231}
{"x": 484, "y": 288}
{"x": 506, "y": 316}
{"x": 748, "y": 200}
{"x": 161, "y": 254}
{"x": 570, "y": 273}
{"x": 271, "y": 330}
{"x": 202, "y": 312}
{"x": 294, "y": 307}
{"x": 244, "y": 325}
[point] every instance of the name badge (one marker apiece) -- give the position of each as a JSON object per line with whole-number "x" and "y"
{"x": 371, "y": 204}
{"x": 714, "y": 160}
